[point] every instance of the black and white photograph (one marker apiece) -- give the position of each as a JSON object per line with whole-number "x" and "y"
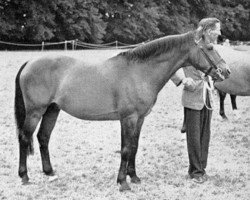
{"x": 124, "y": 100}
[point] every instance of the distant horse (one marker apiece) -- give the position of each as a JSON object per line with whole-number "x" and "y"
{"x": 124, "y": 87}
{"x": 239, "y": 81}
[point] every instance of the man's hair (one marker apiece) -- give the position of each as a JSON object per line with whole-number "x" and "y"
{"x": 205, "y": 24}
{"x": 208, "y": 23}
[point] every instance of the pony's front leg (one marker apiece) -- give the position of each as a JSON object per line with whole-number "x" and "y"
{"x": 128, "y": 129}
{"x": 233, "y": 101}
{"x": 131, "y": 171}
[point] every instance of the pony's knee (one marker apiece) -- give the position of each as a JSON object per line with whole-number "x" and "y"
{"x": 24, "y": 139}
{"x": 26, "y": 143}
{"x": 125, "y": 153}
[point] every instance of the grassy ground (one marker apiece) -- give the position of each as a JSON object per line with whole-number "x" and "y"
{"x": 84, "y": 153}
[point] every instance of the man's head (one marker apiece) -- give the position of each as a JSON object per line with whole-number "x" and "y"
{"x": 209, "y": 29}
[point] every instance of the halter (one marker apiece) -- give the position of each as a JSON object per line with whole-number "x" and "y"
{"x": 212, "y": 64}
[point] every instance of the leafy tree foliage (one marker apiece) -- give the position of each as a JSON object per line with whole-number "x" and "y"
{"x": 43, "y": 20}
{"x": 129, "y": 21}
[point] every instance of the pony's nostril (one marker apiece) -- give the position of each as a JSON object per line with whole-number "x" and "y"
{"x": 228, "y": 71}
{"x": 219, "y": 71}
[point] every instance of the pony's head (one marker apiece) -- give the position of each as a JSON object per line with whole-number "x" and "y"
{"x": 205, "y": 58}
{"x": 203, "y": 52}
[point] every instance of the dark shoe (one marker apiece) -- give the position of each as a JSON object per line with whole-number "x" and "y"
{"x": 198, "y": 179}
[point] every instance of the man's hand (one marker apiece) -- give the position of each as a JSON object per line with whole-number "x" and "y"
{"x": 188, "y": 82}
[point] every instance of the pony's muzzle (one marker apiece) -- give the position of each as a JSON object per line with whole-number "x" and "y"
{"x": 220, "y": 76}
{"x": 223, "y": 73}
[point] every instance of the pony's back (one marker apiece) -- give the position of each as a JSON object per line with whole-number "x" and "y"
{"x": 232, "y": 56}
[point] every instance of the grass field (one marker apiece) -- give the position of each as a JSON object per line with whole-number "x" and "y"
{"x": 84, "y": 153}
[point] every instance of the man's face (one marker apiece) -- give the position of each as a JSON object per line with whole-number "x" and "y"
{"x": 212, "y": 34}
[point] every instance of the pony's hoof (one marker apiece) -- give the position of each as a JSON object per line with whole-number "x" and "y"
{"x": 53, "y": 178}
{"x": 225, "y": 119}
{"x": 124, "y": 187}
{"x": 49, "y": 172}
{"x": 25, "y": 180}
{"x": 136, "y": 180}
{"x": 183, "y": 130}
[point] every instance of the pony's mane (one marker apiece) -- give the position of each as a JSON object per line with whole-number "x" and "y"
{"x": 159, "y": 46}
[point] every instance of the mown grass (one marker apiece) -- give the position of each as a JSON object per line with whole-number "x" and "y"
{"x": 86, "y": 156}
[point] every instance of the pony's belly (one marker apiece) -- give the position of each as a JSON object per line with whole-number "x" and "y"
{"x": 89, "y": 107}
{"x": 98, "y": 117}
{"x": 87, "y": 112}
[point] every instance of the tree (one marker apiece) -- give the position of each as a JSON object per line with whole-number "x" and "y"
{"x": 46, "y": 20}
{"x": 128, "y": 21}
{"x": 79, "y": 19}
{"x": 175, "y": 16}
{"x": 234, "y": 16}
{"x": 131, "y": 21}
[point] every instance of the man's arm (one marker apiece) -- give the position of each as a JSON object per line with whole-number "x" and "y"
{"x": 178, "y": 77}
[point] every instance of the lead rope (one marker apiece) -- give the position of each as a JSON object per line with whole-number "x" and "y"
{"x": 208, "y": 86}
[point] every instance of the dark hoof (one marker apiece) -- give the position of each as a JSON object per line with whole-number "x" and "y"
{"x": 25, "y": 180}
{"x": 183, "y": 129}
{"x": 124, "y": 186}
{"x": 135, "y": 180}
{"x": 49, "y": 173}
{"x": 224, "y": 117}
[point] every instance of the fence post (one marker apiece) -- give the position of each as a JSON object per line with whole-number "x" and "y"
{"x": 65, "y": 45}
{"x": 42, "y": 45}
{"x": 73, "y": 44}
{"x": 75, "y": 41}
{"x": 116, "y": 44}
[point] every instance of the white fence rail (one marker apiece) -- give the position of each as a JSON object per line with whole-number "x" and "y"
{"x": 72, "y": 44}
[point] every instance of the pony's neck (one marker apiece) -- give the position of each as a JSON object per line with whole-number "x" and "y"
{"x": 161, "y": 58}
{"x": 166, "y": 65}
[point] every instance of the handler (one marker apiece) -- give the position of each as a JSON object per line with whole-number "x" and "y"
{"x": 197, "y": 106}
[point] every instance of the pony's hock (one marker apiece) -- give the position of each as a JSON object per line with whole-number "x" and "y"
{"x": 124, "y": 87}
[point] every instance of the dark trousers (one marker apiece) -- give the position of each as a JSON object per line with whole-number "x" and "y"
{"x": 198, "y": 137}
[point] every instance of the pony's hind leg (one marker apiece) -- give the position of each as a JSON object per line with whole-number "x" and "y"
{"x": 26, "y": 142}
{"x": 46, "y": 127}
{"x": 222, "y": 96}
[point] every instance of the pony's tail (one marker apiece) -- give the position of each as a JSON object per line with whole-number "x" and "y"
{"x": 20, "y": 112}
